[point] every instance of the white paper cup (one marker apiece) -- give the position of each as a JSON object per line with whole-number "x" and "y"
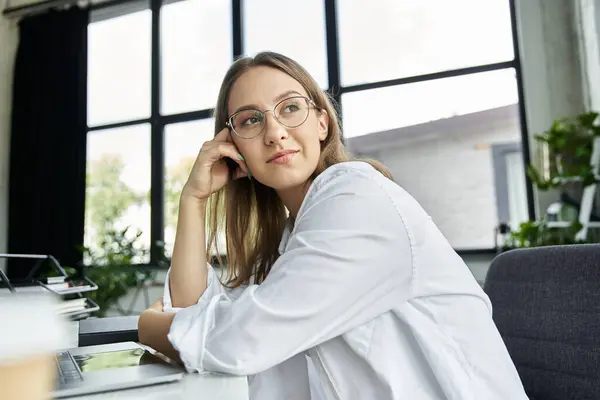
{"x": 31, "y": 334}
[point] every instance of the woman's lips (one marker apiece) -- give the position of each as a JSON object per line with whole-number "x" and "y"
{"x": 283, "y": 159}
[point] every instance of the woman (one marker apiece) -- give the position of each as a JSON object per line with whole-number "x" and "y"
{"x": 340, "y": 285}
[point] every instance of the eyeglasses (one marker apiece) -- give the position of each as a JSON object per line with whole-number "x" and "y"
{"x": 291, "y": 113}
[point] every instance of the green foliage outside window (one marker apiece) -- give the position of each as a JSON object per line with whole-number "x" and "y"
{"x": 113, "y": 251}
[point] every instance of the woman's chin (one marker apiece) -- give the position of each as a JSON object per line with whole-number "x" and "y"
{"x": 285, "y": 180}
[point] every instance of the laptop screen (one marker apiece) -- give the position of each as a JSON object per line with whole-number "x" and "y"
{"x": 116, "y": 359}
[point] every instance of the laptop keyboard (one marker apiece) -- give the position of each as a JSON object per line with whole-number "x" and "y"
{"x": 67, "y": 368}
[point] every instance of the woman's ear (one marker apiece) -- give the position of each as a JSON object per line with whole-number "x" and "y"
{"x": 323, "y": 125}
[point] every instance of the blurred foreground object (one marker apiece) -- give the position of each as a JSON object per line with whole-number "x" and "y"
{"x": 31, "y": 334}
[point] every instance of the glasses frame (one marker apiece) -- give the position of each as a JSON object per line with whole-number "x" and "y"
{"x": 229, "y": 122}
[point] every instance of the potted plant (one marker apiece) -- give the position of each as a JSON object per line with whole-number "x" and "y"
{"x": 569, "y": 145}
{"x": 112, "y": 266}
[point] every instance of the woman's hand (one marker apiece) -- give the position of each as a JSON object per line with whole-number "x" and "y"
{"x": 210, "y": 171}
{"x": 158, "y": 305}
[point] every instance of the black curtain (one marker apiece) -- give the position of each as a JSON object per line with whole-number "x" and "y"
{"x": 48, "y": 139}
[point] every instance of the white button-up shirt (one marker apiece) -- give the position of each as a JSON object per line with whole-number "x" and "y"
{"x": 368, "y": 300}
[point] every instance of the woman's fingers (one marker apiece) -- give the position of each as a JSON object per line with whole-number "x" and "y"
{"x": 158, "y": 305}
{"x": 223, "y": 136}
{"x": 211, "y": 170}
{"x": 215, "y": 151}
{"x": 229, "y": 150}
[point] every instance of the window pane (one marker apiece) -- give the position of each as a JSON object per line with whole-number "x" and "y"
{"x": 118, "y": 187}
{"x": 400, "y": 38}
{"x": 404, "y": 105}
{"x": 182, "y": 144}
{"x": 196, "y": 52}
{"x": 436, "y": 138}
{"x": 272, "y": 25}
{"x": 119, "y": 68}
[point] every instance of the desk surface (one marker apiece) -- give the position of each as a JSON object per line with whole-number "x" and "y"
{"x": 191, "y": 387}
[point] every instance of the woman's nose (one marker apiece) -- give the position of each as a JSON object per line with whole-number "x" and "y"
{"x": 274, "y": 131}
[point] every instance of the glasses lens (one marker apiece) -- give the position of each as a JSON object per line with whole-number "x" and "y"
{"x": 292, "y": 112}
{"x": 248, "y": 123}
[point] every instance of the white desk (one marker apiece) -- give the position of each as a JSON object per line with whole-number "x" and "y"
{"x": 191, "y": 387}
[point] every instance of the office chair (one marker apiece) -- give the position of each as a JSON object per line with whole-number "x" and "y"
{"x": 546, "y": 305}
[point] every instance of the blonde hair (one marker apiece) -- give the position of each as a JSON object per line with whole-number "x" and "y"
{"x": 250, "y": 214}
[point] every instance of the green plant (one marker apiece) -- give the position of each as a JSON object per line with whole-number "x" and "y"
{"x": 112, "y": 267}
{"x": 569, "y": 142}
{"x": 541, "y": 233}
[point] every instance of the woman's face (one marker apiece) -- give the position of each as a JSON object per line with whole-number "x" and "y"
{"x": 278, "y": 95}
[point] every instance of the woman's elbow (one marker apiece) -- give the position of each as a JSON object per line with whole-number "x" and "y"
{"x": 144, "y": 329}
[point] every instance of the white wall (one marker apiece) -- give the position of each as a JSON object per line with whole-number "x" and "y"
{"x": 8, "y": 44}
{"x": 450, "y": 173}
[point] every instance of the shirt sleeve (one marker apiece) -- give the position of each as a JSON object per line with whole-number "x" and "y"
{"x": 348, "y": 261}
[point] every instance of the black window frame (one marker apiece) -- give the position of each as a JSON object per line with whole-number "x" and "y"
{"x": 158, "y": 122}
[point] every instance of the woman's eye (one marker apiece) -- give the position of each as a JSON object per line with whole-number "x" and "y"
{"x": 251, "y": 120}
{"x": 291, "y": 108}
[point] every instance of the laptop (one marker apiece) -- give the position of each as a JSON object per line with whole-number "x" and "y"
{"x": 109, "y": 367}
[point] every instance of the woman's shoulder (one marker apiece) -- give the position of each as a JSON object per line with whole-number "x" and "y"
{"x": 349, "y": 173}
{"x": 348, "y": 178}
{"x": 356, "y": 167}
{"x": 359, "y": 184}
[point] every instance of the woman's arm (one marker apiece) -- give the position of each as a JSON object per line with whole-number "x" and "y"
{"x": 153, "y": 328}
{"x": 187, "y": 277}
{"x": 155, "y": 322}
{"x": 209, "y": 174}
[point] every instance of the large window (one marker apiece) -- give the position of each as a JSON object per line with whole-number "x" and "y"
{"x": 298, "y": 32}
{"x": 430, "y": 88}
{"x": 192, "y": 66}
{"x": 421, "y": 102}
{"x": 118, "y": 185}
{"x": 435, "y": 136}
{"x": 182, "y": 144}
{"x": 119, "y": 156}
{"x": 390, "y": 39}
{"x": 119, "y": 68}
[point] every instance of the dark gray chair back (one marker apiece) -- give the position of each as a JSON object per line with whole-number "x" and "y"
{"x": 546, "y": 304}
